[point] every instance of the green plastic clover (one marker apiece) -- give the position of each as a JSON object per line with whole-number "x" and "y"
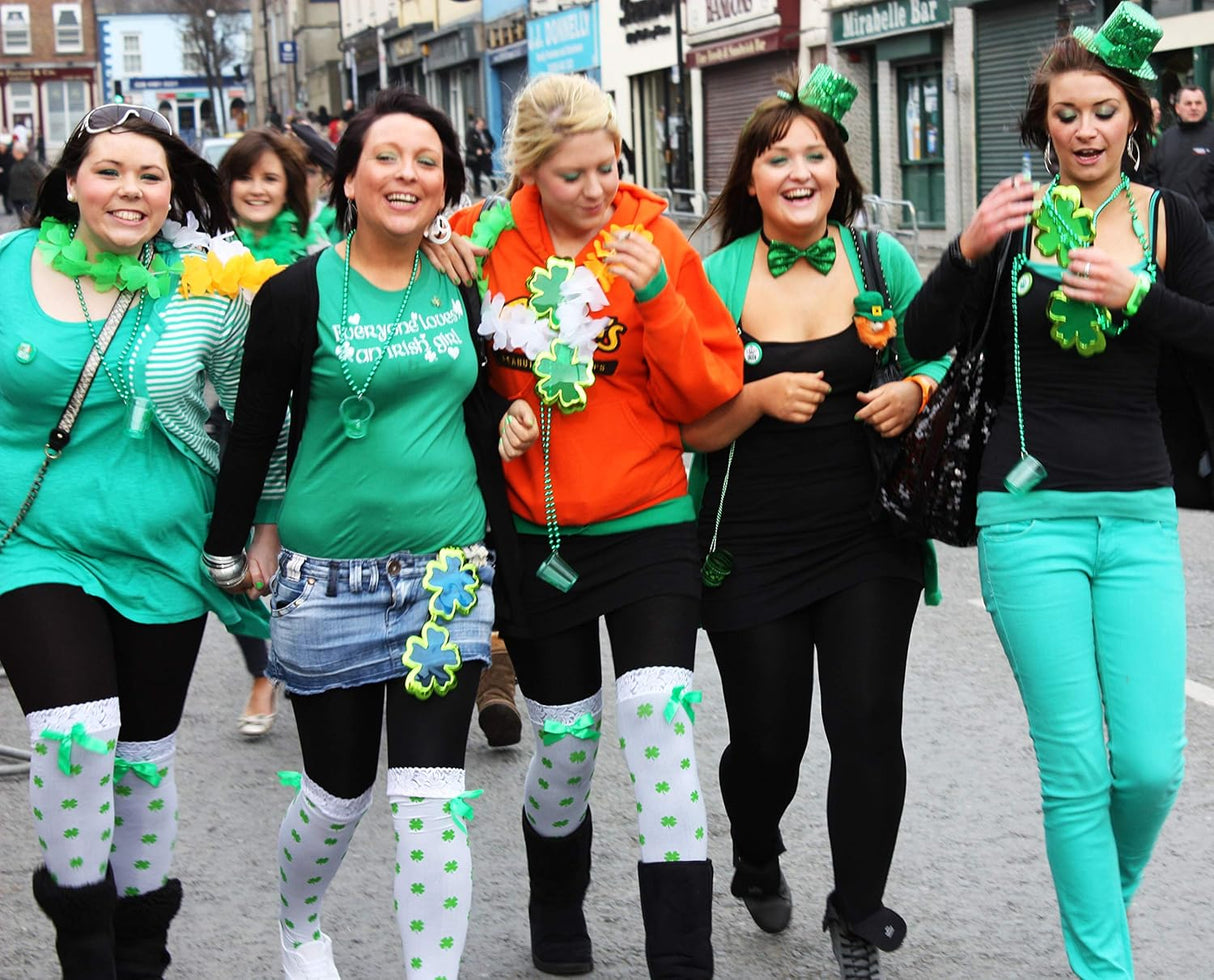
{"x": 1063, "y": 223}
{"x": 563, "y": 378}
{"x": 544, "y": 285}
{"x": 433, "y": 659}
{"x": 1078, "y": 325}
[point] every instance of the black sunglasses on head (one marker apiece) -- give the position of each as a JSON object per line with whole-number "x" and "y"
{"x": 114, "y": 114}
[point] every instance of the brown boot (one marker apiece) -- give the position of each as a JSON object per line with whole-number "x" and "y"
{"x": 498, "y": 717}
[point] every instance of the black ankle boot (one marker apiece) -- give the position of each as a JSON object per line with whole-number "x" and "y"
{"x": 676, "y": 905}
{"x": 84, "y": 924}
{"x": 856, "y": 944}
{"x": 559, "y": 869}
{"x": 141, "y": 931}
{"x": 764, "y": 891}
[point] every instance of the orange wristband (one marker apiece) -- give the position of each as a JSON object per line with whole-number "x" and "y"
{"x": 926, "y": 384}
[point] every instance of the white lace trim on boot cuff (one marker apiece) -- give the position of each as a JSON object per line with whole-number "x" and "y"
{"x": 161, "y": 750}
{"x": 567, "y": 714}
{"x": 647, "y": 681}
{"x": 434, "y": 783}
{"x": 96, "y": 716}
{"x": 332, "y": 806}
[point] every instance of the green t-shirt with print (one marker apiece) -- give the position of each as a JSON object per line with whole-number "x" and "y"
{"x": 410, "y": 483}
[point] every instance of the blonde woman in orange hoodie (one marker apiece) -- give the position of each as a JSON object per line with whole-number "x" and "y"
{"x": 606, "y": 336}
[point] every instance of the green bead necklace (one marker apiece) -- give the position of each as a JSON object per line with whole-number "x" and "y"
{"x": 1073, "y": 232}
{"x": 356, "y": 409}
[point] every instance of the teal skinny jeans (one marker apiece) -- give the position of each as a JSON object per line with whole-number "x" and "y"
{"x": 1091, "y": 615}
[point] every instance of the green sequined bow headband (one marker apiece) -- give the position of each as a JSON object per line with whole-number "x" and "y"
{"x": 828, "y": 92}
{"x": 1125, "y": 40}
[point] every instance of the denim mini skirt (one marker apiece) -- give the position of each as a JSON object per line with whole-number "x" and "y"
{"x": 350, "y": 622}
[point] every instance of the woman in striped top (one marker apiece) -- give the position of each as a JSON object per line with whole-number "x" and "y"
{"x": 101, "y": 595}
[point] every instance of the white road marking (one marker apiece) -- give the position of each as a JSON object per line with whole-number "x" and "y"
{"x": 1199, "y": 692}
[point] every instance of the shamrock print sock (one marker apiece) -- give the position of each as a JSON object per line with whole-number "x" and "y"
{"x": 74, "y": 809}
{"x": 557, "y": 788}
{"x": 433, "y": 888}
{"x": 656, "y": 736}
{"x": 145, "y": 814}
{"x": 312, "y": 842}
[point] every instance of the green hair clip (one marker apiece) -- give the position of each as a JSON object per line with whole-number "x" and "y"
{"x": 1125, "y": 40}
{"x": 828, "y": 92}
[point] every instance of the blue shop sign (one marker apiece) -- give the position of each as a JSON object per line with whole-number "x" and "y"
{"x": 564, "y": 42}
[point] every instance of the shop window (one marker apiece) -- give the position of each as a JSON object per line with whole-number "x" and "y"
{"x": 69, "y": 30}
{"x": 65, "y": 103}
{"x": 921, "y": 126}
{"x": 21, "y": 98}
{"x": 15, "y": 22}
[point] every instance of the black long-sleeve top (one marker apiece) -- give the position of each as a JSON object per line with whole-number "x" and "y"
{"x": 1092, "y": 421}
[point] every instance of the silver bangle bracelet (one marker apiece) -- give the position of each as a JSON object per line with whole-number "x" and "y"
{"x": 227, "y": 571}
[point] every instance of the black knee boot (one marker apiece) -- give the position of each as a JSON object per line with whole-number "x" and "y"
{"x": 141, "y": 932}
{"x": 84, "y": 924}
{"x": 676, "y": 904}
{"x": 559, "y": 869}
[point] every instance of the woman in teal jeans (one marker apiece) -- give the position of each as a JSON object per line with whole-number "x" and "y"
{"x": 1078, "y": 548}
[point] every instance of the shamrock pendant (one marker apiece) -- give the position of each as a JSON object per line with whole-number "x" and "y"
{"x": 1078, "y": 325}
{"x": 1063, "y": 223}
{"x": 717, "y": 565}
{"x": 563, "y": 377}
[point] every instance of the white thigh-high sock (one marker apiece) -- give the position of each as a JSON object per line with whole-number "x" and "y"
{"x": 71, "y": 791}
{"x": 312, "y": 841}
{"x": 145, "y": 814}
{"x": 433, "y": 888}
{"x": 660, "y": 751}
{"x": 558, "y": 780}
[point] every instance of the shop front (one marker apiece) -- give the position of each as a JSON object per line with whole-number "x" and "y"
{"x": 453, "y": 70}
{"x": 567, "y": 41}
{"x": 403, "y": 49}
{"x": 505, "y": 64}
{"x": 48, "y": 101}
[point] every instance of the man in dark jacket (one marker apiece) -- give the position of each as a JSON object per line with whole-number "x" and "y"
{"x": 1183, "y": 159}
{"x": 24, "y": 176}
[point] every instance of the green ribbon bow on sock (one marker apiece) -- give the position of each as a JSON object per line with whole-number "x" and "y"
{"x": 77, "y": 736}
{"x": 461, "y": 809}
{"x": 554, "y": 731}
{"x": 680, "y": 697}
{"x": 781, "y": 256}
{"x": 146, "y": 771}
{"x": 290, "y": 778}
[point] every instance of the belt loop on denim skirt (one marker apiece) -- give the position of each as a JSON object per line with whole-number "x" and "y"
{"x": 356, "y": 576}
{"x": 295, "y": 566}
{"x": 373, "y": 568}
{"x": 334, "y": 569}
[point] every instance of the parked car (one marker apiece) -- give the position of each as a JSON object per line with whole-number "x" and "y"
{"x": 214, "y": 147}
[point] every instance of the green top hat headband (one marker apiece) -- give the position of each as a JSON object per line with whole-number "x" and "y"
{"x": 1125, "y": 40}
{"x": 828, "y": 92}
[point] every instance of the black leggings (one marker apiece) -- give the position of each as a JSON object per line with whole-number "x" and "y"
{"x": 60, "y": 646}
{"x": 565, "y": 667}
{"x": 767, "y": 672}
{"x": 339, "y": 730}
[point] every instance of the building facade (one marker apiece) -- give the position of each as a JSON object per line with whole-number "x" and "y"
{"x": 48, "y": 70}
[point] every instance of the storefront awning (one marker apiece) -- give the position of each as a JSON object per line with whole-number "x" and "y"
{"x": 1186, "y": 31}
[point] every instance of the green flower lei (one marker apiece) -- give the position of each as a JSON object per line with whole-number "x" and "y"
{"x": 64, "y": 252}
{"x": 282, "y": 242}
{"x": 485, "y": 233}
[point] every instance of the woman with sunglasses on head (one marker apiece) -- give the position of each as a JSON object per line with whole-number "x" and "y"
{"x": 381, "y": 605}
{"x": 799, "y": 563}
{"x": 265, "y": 181}
{"x": 1078, "y": 548}
{"x": 103, "y": 601}
{"x": 608, "y": 336}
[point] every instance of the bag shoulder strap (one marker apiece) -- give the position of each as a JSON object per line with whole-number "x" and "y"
{"x": 869, "y": 253}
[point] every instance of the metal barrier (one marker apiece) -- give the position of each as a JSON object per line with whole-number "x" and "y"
{"x": 684, "y": 201}
{"x": 898, "y": 218}
{"x": 22, "y": 757}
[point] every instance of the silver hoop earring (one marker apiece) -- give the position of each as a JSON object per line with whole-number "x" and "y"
{"x": 351, "y": 212}
{"x": 439, "y": 232}
{"x": 1132, "y": 151}
{"x": 1047, "y": 155}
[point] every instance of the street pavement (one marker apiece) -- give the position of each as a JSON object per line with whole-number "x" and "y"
{"x": 970, "y": 874}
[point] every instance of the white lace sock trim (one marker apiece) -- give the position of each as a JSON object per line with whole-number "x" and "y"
{"x": 96, "y": 716}
{"x": 567, "y": 714}
{"x": 648, "y": 681}
{"x": 157, "y": 751}
{"x": 432, "y": 783}
{"x": 335, "y": 807}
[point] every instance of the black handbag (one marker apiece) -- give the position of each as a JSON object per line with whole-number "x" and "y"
{"x": 885, "y": 452}
{"x": 932, "y": 489}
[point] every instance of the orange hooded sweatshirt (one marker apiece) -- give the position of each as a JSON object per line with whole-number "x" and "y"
{"x": 660, "y": 363}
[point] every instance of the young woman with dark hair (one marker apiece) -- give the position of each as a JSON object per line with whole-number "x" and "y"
{"x": 1078, "y": 548}
{"x": 813, "y": 569}
{"x": 103, "y": 600}
{"x": 380, "y": 596}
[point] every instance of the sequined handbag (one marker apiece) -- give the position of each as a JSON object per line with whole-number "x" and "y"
{"x": 932, "y": 489}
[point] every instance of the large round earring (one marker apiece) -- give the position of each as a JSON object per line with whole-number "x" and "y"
{"x": 1051, "y": 165}
{"x": 71, "y": 197}
{"x": 351, "y": 212}
{"x": 1132, "y": 151}
{"x": 439, "y": 232}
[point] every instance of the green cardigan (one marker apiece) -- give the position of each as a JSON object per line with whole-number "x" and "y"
{"x": 729, "y": 269}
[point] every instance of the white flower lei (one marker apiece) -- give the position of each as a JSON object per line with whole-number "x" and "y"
{"x": 516, "y": 326}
